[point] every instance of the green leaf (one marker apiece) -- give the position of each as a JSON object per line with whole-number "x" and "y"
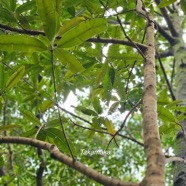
{"x": 1, "y": 161}
{"x": 82, "y": 32}
{"x": 101, "y": 73}
{"x": 49, "y": 17}
{"x": 8, "y": 127}
{"x": 66, "y": 58}
{"x": 163, "y": 97}
{"x": 68, "y": 25}
{"x": 112, "y": 75}
{"x": 167, "y": 128}
{"x": 166, "y": 115}
{"x": 41, "y": 135}
{"x": 113, "y": 107}
{"x": 97, "y": 106}
{"x": 110, "y": 126}
{"x": 31, "y": 132}
{"x": 183, "y": 6}
{"x": 13, "y": 5}
{"x": 7, "y": 15}
{"x": 25, "y": 6}
{"x": 21, "y": 43}
{"x": 58, "y": 138}
{"x": 58, "y": 6}
{"x": 86, "y": 111}
{"x": 107, "y": 85}
{"x": 165, "y": 3}
{"x": 2, "y": 76}
{"x": 53, "y": 123}
{"x": 15, "y": 77}
{"x": 30, "y": 117}
{"x": 46, "y": 105}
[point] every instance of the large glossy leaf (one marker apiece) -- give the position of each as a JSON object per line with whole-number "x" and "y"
{"x": 82, "y": 32}
{"x": 21, "y": 43}
{"x": 66, "y": 58}
{"x": 49, "y": 17}
{"x": 15, "y": 77}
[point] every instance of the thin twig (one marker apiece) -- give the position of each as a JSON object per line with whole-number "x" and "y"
{"x": 124, "y": 121}
{"x": 165, "y": 76}
{"x": 130, "y": 40}
{"x": 56, "y": 100}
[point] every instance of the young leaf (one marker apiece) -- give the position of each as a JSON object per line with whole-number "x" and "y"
{"x": 66, "y": 58}
{"x": 21, "y": 43}
{"x": 49, "y": 17}
{"x": 110, "y": 126}
{"x": 15, "y": 77}
{"x": 82, "y": 32}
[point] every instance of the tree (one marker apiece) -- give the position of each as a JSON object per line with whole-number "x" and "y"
{"x": 109, "y": 54}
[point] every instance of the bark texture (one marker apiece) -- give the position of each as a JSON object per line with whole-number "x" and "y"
{"x": 180, "y": 83}
{"x": 152, "y": 145}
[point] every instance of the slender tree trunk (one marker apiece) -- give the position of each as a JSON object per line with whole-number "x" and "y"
{"x": 180, "y": 83}
{"x": 152, "y": 145}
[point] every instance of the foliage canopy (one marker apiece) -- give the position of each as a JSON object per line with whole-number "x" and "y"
{"x": 50, "y": 49}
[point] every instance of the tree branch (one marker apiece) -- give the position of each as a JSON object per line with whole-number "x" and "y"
{"x": 58, "y": 155}
{"x": 142, "y": 47}
{"x": 96, "y": 40}
{"x": 172, "y": 159}
{"x": 21, "y": 31}
{"x": 168, "y": 20}
{"x": 165, "y": 76}
{"x": 166, "y": 53}
{"x": 162, "y": 31}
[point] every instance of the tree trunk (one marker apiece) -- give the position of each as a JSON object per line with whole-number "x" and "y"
{"x": 180, "y": 142}
{"x": 152, "y": 145}
{"x": 180, "y": 83}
